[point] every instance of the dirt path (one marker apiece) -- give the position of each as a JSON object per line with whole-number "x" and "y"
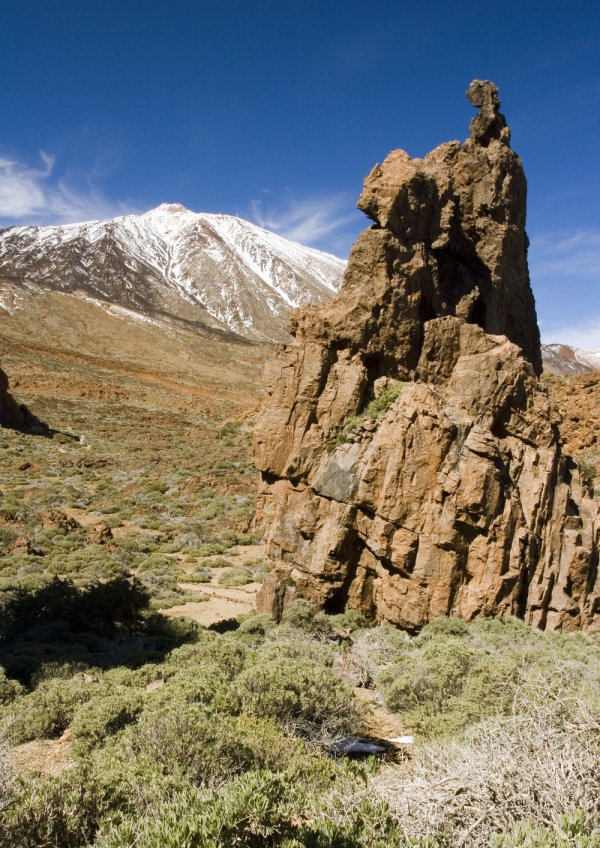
{"x": 224, "y": 603}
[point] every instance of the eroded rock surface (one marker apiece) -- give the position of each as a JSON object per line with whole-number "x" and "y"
{"x": 456, "y": 499}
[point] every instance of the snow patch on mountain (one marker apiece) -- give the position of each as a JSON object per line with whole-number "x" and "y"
{"x": 565, "y": 360}
{"x": 207, "y": 270}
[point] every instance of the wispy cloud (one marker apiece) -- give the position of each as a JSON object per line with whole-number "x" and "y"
{"x": 31, "y": 195}
{"x": 585, "y": 334}
{"x": 569, "y": 262}
{"x": 557, "y": 255}
{"x": 326, "y": 222}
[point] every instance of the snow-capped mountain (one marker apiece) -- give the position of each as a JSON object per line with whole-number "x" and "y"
{"x": 200, "y": 270}
{"x": 565, "y": 360}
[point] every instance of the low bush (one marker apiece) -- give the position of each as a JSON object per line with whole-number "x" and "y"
{"x": 198, "y": 575}
{"x": 47, "y": 711}
{"x": 301, "y": 616}
{"x": 385, "y": 399}
{"x": 217, "y": 562}
{"x": 571, "y": 831}
{"x": 453, "y": 674}
{"x": 103, "y": 716}
{"x": 237, "y": 576}
{"x": 300, "y": 695}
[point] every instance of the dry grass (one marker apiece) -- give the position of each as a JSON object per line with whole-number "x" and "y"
{"x": 541, "y": 762}
{"x": 6, "y": 776}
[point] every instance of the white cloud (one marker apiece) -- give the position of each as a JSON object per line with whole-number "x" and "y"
{"x": 585, "y": 335}
{"x": 30, "y": 195}
{"x": 569, "y": 262}
{"x": 315, "y": 221}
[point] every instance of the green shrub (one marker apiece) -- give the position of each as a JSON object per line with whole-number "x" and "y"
{"x": 237, "y": 576}
{"x": 9, "y": 689}
{"x": 587, "y": 469}
{"x": 349, "y": 620}
{"x": 453, "y": 675}
{"x": 256, "y": 627}
{"x": 336, "y": 441}
{"x": 298, "y": 694}
{"x": 209, "y": 550}
{"x": 217, "y": 562}
{"x": 186, "y": 737}
{"x": 48, "y": 711}
{"x": 88, "y": 562}
{"x": 158, "y": 564}
{"x": 167, "y": 600}
{"x": 385, "y": 400}
{"x": 248, "y": 539}
{"x": 212, "y": 510}
{"x": 571, "y": 831}
{"x": 258, "y": 808}
{"x": 429, "y": 678}
{"x": 301, "y": 616}
{"x": 102, "y": 717}
{"x": 258, "y": 568}
{"x": 200, "y": 575}
{"x": 443, "y": 626}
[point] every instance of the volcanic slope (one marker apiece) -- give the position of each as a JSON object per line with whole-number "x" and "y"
{"x": 209, "y": 273}
{"x": 565, "y": 360}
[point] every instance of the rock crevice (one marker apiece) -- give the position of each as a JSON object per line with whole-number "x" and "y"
{"x": 449, "y": 495}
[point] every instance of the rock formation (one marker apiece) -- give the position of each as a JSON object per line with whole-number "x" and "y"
{"x": 410, "y": 463}
{"x": 14, "y": 415}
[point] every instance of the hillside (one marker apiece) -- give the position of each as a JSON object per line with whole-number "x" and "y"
{"x": 564, "y": 360}
{"x": 209, "y": 273}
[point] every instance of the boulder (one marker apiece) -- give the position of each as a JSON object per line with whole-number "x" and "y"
{"x": 410, "y": 460}
{"x": 56, "y": 519}
{"x": 16, "y": 416}
{"x": 99, "y": 534}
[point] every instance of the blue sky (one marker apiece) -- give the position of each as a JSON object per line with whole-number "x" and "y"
{"x": 276, "y": 110}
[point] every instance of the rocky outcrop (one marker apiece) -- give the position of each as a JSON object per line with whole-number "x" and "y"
{"x": 410, "y": 463}
{"x": 14, "y": 415}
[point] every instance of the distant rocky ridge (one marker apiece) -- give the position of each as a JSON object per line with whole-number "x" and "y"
{"x": 564, "y": 360}
{"x": 210, "y": 273}
{"x": 410, "y": 460}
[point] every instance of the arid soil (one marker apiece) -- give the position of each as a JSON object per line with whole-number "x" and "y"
{"x": 62, "y": 346}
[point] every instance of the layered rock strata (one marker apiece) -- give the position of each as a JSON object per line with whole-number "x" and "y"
{"x": 449, "y": 495}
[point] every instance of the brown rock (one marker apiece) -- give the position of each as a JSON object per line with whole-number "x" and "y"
{"x": 99, "y": 534}
{"x": 21, "y": 547}
{"x": 55, "y": 519}
{"x": 456, "y": 500}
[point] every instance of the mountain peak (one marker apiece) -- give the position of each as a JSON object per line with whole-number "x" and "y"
{"x": 199, "y": 270}
{"x": 169, "y": 208}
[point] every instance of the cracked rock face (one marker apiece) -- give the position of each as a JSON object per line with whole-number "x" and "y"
{"x": 452, "y": 498}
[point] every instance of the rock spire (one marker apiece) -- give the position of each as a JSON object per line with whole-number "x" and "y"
{"x": 410, "y": 463}
{"x": 16, "y": 416}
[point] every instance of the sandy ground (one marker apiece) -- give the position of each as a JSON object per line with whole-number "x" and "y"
{"x": 48, "y": 756}
{"x": 224, "y": 603}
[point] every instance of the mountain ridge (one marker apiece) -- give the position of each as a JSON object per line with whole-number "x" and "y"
{"x": 207, "y": 272}
{"x": 566, "y": 360}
